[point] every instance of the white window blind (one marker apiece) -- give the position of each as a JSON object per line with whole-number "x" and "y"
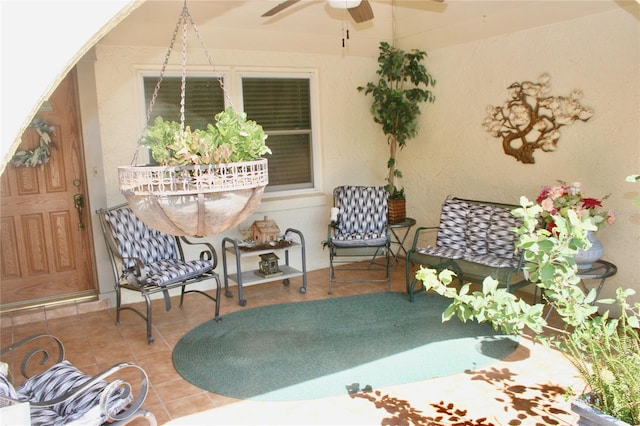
{"x": 282, "y": 106}
{"x": 203, "y": 99}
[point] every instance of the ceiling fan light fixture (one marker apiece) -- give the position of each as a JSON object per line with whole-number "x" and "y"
{"x": 344, "y": 4}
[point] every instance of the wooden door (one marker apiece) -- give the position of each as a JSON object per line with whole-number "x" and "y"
{"x": 45, "y": 239}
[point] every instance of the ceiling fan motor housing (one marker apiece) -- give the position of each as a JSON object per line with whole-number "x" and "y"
{"x": 344, "y": 4}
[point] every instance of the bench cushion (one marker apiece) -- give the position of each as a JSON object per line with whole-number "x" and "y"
{"x": 492, "y": 261}
{"x": 477, "y": 232}
{"x": 441, "y": 252}
{"x": 453, "y": 222}
{"x": 501, "y": 238}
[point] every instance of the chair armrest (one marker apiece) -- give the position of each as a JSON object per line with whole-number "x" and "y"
{"x": 330, "y": 231}
{"x": 139, "y": 272}
{"x": 46, "y": 347}
{"x": 6, "y": 401}
{"x": 122, "y": 384}
{"x": 207, "y": 253}
{"x": 419, "y": 231}
{"x": 115, "y": 376}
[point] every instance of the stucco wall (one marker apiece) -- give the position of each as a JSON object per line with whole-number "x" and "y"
{"x": 351, "y": 148}
{"x": 598, "y": 54}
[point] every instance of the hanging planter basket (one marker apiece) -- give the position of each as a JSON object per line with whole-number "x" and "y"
{"x": 194, "y": 200}
{"x": 198, "y": 199}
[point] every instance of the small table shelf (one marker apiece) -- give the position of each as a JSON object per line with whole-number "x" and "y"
{"x": 400, "y": 236}
{"x": 599, "y": 270}
{"x": 232, "y": 246}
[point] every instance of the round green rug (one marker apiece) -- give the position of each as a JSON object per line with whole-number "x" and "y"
{"x": 316, "y": 349}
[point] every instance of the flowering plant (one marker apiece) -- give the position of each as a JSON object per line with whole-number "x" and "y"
{"x": 559, "y": 199}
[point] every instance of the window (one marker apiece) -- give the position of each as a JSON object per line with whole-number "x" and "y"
{"x": 203, "y": 99}
{"x": 281, "y": 105}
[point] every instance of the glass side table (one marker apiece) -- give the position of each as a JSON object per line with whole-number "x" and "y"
{"x": 399, "y": 233}
{"x": 599, "y": 270}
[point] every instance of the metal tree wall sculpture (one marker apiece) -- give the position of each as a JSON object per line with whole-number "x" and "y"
{"x": 531, "y": 119}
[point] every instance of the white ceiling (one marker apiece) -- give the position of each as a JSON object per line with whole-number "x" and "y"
{"x": 238, "y": 23}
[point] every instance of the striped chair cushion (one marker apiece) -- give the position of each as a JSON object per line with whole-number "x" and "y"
{"x": 362, "y": 216}
{"x": 155, "y": 249}
{"x": 359, "y": 240}
{"x": 6, "y": 388}
{"x": 169, "y": 271}
{"x": 135, "y": 239}
{"x": 60, "y": 379}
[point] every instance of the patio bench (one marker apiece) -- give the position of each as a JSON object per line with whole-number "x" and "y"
{"x": 475, "y": 239}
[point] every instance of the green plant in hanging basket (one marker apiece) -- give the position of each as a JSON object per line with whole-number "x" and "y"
{"x": 231, "y": 139}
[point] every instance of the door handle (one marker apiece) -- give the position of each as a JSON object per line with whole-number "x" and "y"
{"x": 78, "y": 202}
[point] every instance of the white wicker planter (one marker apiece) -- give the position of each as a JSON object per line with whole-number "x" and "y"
{"x": 194, "y": 200}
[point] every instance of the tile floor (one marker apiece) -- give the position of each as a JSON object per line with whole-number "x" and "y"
{"x": 524, "y": 389}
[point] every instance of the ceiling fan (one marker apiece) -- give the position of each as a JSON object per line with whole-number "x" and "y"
{"x": 360, "y": 10}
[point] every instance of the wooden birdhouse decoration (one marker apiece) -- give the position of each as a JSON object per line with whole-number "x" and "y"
{"x": 264, "y": 231}
{"x": 268, "y": 265}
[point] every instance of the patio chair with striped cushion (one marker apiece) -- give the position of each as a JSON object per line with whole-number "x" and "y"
{"x": 148, "y": 261}
{"x": 360, "y": 231}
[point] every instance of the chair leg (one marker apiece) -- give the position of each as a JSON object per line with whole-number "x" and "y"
{"x": 182, "y": 291}
{"x": 332, "y": 274}
{"x": 149, "y": 323}
{"x": 218, "y": 292}
{"x": 407, "y": 272}
{"x": 388, "y": 256}
{"x": 118, "y": 303}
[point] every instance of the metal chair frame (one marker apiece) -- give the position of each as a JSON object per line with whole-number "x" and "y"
{"x": 340, "y": 253}
{"x": 43, "y": 353}
{"x": 135, "y": 278}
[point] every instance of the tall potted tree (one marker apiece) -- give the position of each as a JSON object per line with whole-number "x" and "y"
{"x": 403, "y": 84}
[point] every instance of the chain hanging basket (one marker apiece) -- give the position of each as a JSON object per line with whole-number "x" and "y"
{"x": 194, "y": 200}
{"x": 197, "y": 199}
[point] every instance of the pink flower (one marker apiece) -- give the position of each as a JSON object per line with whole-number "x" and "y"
{"x": 611, "y": 218}
{"x": 560, "y": 199}
{"x": 557, "y": 192}
{"x": 547, "y": 205}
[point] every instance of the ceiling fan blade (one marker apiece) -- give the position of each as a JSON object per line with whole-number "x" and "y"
{"x": 362, "y": 12}
{"x": 279, "y": 8}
